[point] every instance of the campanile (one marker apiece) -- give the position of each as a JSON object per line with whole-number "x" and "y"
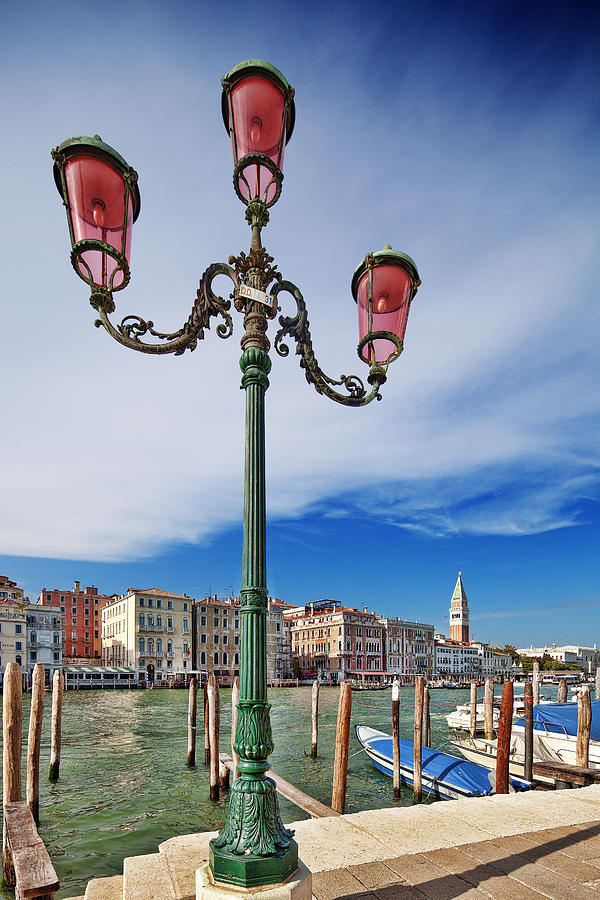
{"x": 459, "y": 613}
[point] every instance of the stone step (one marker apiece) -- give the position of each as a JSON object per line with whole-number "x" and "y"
{"x": 184, "y": 855}
{"x": 147, "y": 878}
{"x": 104, "y": 888}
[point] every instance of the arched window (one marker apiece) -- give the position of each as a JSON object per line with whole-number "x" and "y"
{"x": 224, "y": 659}
{"x": 216, "y": 659}
{"x": 203, "y": 658}
{"x": 18, "y": 660}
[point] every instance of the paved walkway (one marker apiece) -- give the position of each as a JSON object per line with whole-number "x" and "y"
{"x": 562, "y": 863}
{"x": 509, "y": 847}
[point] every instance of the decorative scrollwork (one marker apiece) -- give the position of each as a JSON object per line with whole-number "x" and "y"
{"x": 253, "y": 820}
{"x": 297, "y": 327}
{"x": 132, "y": 328}
{"x": 256, "y": 259}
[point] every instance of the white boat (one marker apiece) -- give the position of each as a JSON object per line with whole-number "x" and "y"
{"x": 460, "y": 719}
{"x": 484, "y": 752}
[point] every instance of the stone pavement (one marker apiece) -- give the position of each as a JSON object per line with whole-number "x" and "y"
{"x": 507, "y": 847}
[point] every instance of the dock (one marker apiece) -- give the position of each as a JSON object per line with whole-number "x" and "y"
{"x": 314, "y": 808}
{"x": 506, "y": 847}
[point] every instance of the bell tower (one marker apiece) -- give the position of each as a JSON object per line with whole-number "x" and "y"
{"x": 459, "y": 613}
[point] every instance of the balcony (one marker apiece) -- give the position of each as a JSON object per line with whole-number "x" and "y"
{"x": 153, "y": 628}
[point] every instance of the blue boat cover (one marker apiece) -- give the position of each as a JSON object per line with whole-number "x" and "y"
{"x": 562, "y": 717}
{"x": 468, "y": 777}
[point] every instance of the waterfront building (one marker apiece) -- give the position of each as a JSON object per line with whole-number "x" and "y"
{"x": 13, "y": 633}
{"x": 333, "y": 643}
{"x": 9, "y": 590}
{"x": 571, "y": 654}
{"x": 150, "y": 631}
{"x": 44, "y": 638}
{"x": 217, "y": 637}
{"x": 408, "y": 648}
{"x": 81, "y": 614}
{"x": 454, "y": 659}
{"x": 459, "y": 613}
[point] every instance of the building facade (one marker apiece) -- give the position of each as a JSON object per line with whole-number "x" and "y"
{"x": 150, "y": 631}
{"x": 44, "y": 638}
{"x": 9, "y": 590}
{"x": 81, "y": 614}
{"x": 13, "y": 634}
{"x": 570, "y": 654}
{"x": 334, "y": 643}
{"x": 408, "y": 648}
{"x": 217, "y": 638}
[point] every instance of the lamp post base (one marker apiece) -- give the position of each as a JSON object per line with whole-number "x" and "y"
{"x": 248, "y": 870}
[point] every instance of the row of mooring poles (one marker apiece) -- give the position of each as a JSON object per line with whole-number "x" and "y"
{"x": 218, "y": 771}
{"x": 12, "y": 723}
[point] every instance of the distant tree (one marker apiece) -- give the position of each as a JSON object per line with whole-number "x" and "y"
{"x": 511, "y": 651}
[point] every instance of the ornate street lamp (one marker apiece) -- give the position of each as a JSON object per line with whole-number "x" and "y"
{"x": 100, "y": 193}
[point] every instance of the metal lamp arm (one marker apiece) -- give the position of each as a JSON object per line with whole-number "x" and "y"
{"x": 130, "y": 330}
{"x": 297, "y": 327}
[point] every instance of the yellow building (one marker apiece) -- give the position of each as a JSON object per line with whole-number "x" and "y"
{"x": 150, "y": 631}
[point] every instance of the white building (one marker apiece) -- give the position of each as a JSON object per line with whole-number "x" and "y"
{"x": 454, "y": 659}
{"x": 44, "y": 638}
{"x": 586, "y": 657}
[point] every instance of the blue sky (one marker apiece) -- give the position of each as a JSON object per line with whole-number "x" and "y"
{"x": 464, "y": 134}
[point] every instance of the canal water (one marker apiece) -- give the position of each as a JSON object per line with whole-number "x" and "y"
{"x": 124, "y": 786}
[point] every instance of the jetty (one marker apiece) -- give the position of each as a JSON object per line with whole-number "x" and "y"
{"x": 505, "y": 847}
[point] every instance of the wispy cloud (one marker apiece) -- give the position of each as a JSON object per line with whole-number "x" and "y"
{"x": 538, "y": 610}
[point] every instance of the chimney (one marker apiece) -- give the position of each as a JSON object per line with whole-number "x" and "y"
{"x": 76, "y": 588}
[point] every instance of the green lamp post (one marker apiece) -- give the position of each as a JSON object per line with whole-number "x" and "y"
{"x": 102, "y": 200}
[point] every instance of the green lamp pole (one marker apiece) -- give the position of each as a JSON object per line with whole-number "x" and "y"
{"x": 101, "y": 197}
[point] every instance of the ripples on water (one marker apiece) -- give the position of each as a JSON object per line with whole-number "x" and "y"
{"x": 124, "y": 786}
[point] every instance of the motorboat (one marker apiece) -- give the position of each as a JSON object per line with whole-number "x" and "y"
{"x": 442, "y": 774}
{"x": 460, "y": 719}
{"x": 556, "y": 724}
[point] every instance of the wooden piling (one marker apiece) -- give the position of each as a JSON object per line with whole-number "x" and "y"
{"x": 315, "y": 719}
{"x": 12, "y": 711}
{"x": 57, "y": 695}
{"x": 34, "y": 741}
{"x": 473, "y": 706}
{"x": 536, "y": 682}
{"x": 342, "y": 740}
{"x": 213, "y": 735}
{"x": 223, "y": 776}
{"x": 191, "y": 753}
{"x": 597, "y": 682}
{"x": 584, "y": 724}
{"x": 488, "y": 705}
{"x": 562, "y": 691}
{"x": 206, "y": 733}
{"x": 426, "y": 727}
{"x": 528, "y": 755}
{"x": 396, "y": 737}
{"x": 235, "y": 699}
{"x": 504, "y": 730}
{"x": 418, "y": 726}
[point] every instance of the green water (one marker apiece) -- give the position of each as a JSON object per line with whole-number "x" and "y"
{"x": 124, "y": 786}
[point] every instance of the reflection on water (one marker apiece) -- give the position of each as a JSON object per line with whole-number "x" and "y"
{"x": 124, "y": 786}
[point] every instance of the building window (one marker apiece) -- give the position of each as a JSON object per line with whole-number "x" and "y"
{"x": 140, "y": 645}
{"x": 159, "y": 621}
{"x": 224, "y": 659}
{"x": 159, "y": 604}
{"x": 236, "y": 639}
{"x": 203, "y": 658}
{"x": 18, "y": 629}
{"x": 150, "y": 601}
{"x": 203, "y": 620}
{"x": 202, "y": 638}
{"x": 216, "y": 622}
{"x": 159, "y": 646}
{"x": 169, "y": 621}
{"x": 216, "y": 638}
{"x": 186, "y": 626}
{"x": 169, "y": 604}
{"x": 216, "y": 659}
{"x": 185, "y": 607}
{"x": 33, "y": 655}
{"x": 56, "y": 657}
{"x": 236, "y": 659}
{"x": 18, "y": 660}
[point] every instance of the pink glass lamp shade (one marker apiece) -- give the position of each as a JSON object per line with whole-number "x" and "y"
{"x": 383, "y": 286}
{"x": 102, "y": 199}
{"x": 258, "y": 111}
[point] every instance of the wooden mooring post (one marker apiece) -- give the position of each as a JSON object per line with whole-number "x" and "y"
{"x": 342, "y": 740}
{"x": 396, "y": 737}
{"x": 584, "y": 724}
{"x": 206, "y": 733}
{"x": 418, "y": 731}
{"x": 504, "y": 730}
{"x": 314, "y": 719}
{"x": 55, "y": 741}
{"x": 12, "y": 712}
{"x": 34, "y": 741}
{"x": 235, "y": 699}
{"x": 536, "y": 682}
{"x": 528, "y": 755}
{"x": 562, "y": 694}
{"x": 213, "y": 735}
{"x": 488, "y": 705}
{"x": 426, "y": 729}
{"x": 192, "y": 704}
{"x": 473, "y": 709}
